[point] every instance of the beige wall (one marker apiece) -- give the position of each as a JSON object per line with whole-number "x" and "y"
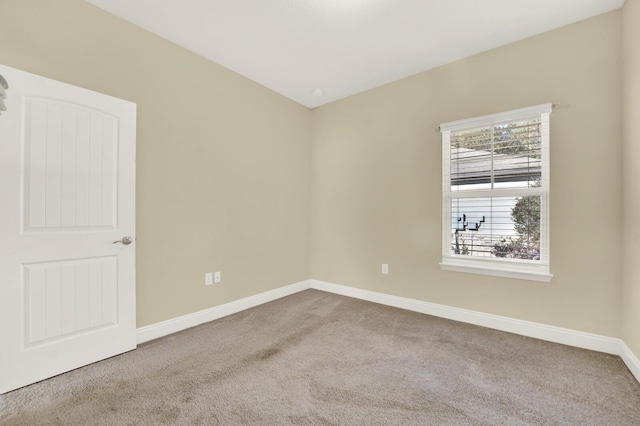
{"x": 377, "y": 178}
{"x": 631, "y": 149}
{"x": 222, "y": 164}
{"x": 208, "y": 200}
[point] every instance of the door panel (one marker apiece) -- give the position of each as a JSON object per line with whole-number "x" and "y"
{"x": 70, "y": 167}
{"x": 67, "y": 185}
{"x": 70, "y": 297}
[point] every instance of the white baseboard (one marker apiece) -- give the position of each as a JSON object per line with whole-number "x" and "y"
{"x": 629, "y": 358}
{"x": 525, "y": 328}
{"x": 160, "y": 329}
{"x": 549, "y": 333}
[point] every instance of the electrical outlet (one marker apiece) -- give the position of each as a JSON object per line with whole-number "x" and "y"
{"x": 385, "y": 268}
{"x": 217, "y": 277}
{"x": 208, "y": 278}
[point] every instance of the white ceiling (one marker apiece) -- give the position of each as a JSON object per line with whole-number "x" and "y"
{"x": 345, "y": 46}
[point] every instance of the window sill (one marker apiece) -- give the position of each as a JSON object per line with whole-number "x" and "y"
{"x": 497, "y": 270}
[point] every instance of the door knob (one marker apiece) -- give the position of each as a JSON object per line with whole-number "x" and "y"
{"x": 125, "y": 240}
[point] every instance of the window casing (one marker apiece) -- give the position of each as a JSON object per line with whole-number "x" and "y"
{"x": 496, "y": 194}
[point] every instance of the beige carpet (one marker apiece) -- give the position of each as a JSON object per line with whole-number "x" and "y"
{"x": 320, "y": 359}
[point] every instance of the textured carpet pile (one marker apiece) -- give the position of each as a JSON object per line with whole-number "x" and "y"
{"x": 320, "y": 359}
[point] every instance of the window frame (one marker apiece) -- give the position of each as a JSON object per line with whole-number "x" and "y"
{"x": 536, "y": 270}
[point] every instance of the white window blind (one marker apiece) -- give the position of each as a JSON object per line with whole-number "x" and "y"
{"x": 496, "y": 194}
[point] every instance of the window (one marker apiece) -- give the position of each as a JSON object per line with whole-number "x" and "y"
{"x": 496, "y": 194}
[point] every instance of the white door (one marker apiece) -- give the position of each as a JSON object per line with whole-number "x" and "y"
{"x": 67, "y": 192}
